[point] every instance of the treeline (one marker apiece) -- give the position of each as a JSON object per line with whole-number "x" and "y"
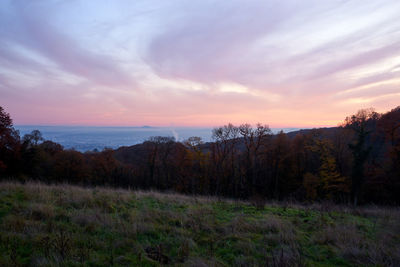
{"x": 357, "y": 162}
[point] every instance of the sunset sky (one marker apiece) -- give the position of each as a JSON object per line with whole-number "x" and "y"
{"x": 197, "y": 63}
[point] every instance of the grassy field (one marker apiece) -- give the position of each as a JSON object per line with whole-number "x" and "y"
{"x": 73, "y": 226}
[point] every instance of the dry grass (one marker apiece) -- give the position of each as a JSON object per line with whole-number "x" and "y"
{"x": 42, "y": 225}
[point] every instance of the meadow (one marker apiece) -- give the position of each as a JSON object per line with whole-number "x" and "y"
{"x": 65, "y": 225}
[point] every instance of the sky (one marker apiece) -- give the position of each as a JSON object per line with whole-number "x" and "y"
{"x": 197, "y": 63}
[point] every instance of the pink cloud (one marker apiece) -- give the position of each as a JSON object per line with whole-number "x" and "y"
{"x": 291, "y": 69}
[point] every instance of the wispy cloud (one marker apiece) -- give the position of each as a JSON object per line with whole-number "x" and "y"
{"x": 291, "y": 63}
{"x": 35, "y": 37}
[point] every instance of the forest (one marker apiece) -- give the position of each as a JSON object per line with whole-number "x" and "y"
{"x": 357, "y": 162}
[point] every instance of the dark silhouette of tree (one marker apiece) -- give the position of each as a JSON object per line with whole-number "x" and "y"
{"x": 104, "y": 168}
{"x": 360, "y": 150}
{"x": 389, "y": 175}
{"x": 341, "y": 151}
{"x": 9, "y": 145}
{"x": 223, "y": 159}
{"x": 361, "y": 156}
{"x": 198, "y": 165}
{"x": 31, "y": 154}
{"x": 33, "y": 138}
{"x": 311, "y": 185}
{"x": 51, "y": 147}
{"x": 70, "y": 166}
{"x": 159, "y": 148}
{"x": 279, "y": 155}
{"x": 390, "y": 122}
{"x": 46, "y": 153}
{"x": 255, "y": 141}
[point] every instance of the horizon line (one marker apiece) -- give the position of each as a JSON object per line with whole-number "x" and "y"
{"x": 170, "y": 127}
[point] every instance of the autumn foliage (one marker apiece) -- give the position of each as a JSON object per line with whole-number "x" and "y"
{"x": 357, "y": 162}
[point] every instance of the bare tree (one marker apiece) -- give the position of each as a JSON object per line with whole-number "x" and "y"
{"x": 254, "y": 139}
{"x": 360, "y": 150}
{"x": 223, "y": 155}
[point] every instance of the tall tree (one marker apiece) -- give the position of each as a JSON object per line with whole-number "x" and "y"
{"x": 198, "y": 162}
{"x": 254, "y": 140}
{"x": 390, "y": 175}
{"x": 278, "y": 156}
{"x": 9, "y": 145}
{"x": 359, "y": 148}
{"x": 223, "y": 156}
{"x": 159, "y": 149}
{"x": 334, "y": 185}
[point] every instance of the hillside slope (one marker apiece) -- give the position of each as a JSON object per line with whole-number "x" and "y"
{"x": 44, "y": 225}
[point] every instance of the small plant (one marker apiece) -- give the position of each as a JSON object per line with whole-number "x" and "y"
{"x": 45, "y": 243}
{"x": 62, "y": 243}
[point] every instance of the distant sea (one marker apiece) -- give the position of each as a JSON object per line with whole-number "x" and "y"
{"x": 87, "y": 138}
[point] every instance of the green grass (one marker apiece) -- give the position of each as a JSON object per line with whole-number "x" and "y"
{"x": 72, "y": 226}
